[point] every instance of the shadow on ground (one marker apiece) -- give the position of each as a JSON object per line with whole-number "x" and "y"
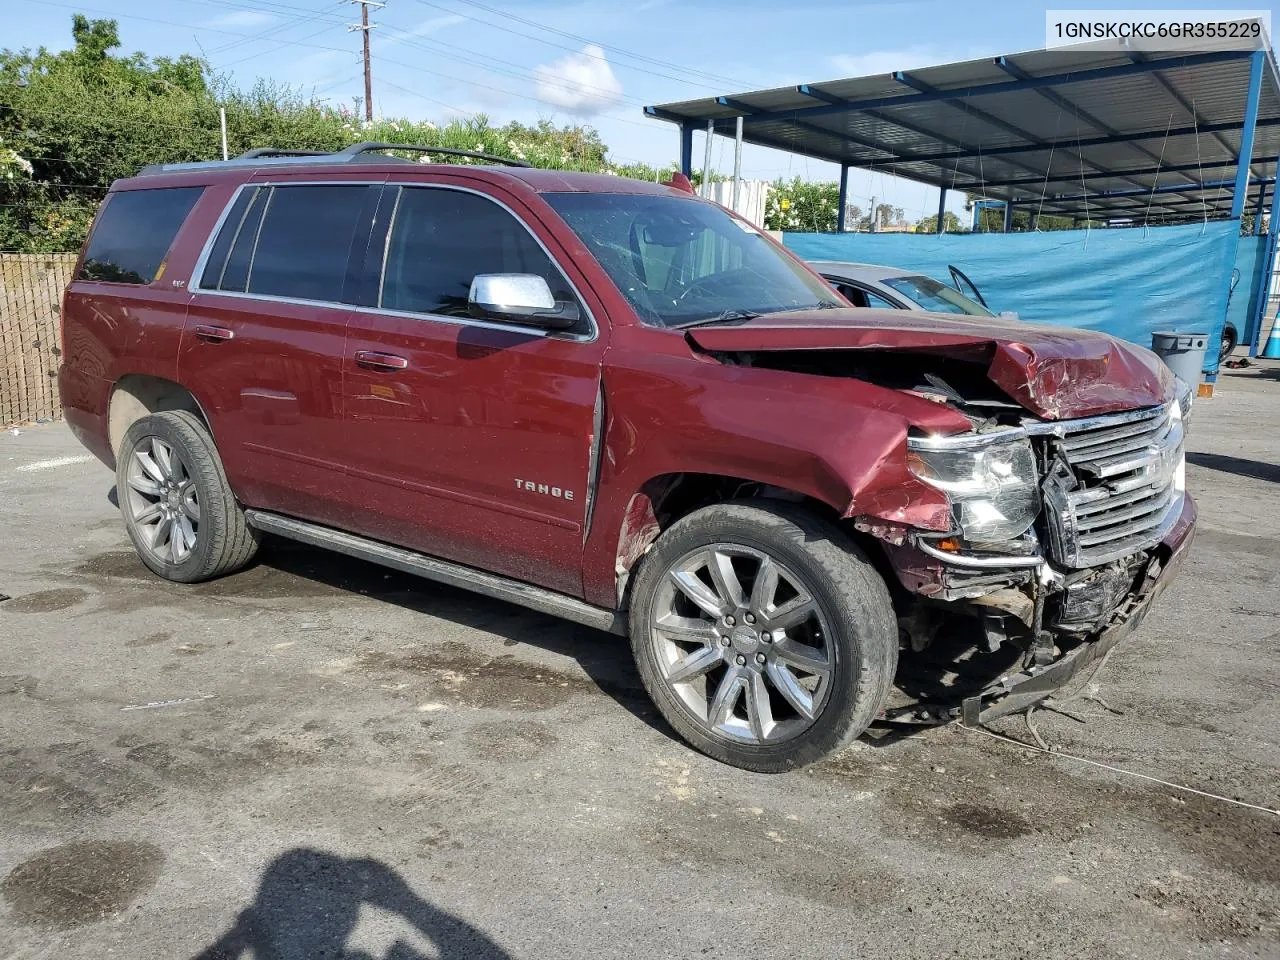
{"x": 1236, "y": 465}
{"x": 309, "y": 903}
{"x": 605, "y": 658}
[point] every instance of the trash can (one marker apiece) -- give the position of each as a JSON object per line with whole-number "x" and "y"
{"x": 1183, "y": 353}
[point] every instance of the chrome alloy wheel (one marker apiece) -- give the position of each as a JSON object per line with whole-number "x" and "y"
{"x": 162, "y": 500}
{"x": 742, "y": 644}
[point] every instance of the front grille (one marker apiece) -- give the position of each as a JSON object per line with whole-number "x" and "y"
{"x": 1116, "y": 487}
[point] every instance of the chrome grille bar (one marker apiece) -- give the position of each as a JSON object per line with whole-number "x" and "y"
{"x": 1125, "y": 498}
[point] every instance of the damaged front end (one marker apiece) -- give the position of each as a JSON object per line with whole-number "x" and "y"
{"x": 1062, "y": 534}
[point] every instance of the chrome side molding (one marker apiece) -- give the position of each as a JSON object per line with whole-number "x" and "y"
{"x": 442, "y": 571}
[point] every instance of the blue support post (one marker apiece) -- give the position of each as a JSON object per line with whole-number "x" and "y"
{"x": 844, "y": 198}
{"x": 1257, "y": 61}
{"x": 1262, "y": 284}
{"x": 942, "y": 209}
{"x": 686, "y": 149}
{"x": 1008, "y": 216}
{"x": 1262, "y": 205}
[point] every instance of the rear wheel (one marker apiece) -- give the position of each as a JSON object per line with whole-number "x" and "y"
{"x": 178, "y": 508}
{"x": 763, "y": 635}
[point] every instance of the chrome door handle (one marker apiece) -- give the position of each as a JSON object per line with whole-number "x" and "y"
{"x": 213, "y": 334}
{"x": 373, "y": 360}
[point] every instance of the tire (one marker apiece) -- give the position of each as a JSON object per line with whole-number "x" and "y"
{"x": 1230, "y": 340}
{"x": 206, "y": 535}
{"x": 849, "y": 642}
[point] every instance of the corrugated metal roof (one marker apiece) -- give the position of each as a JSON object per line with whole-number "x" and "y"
{"x": 1055, "y": 129}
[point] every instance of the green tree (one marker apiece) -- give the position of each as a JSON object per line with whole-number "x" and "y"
{"x": 85, "y": 117}
{"x": 950, "y": 222}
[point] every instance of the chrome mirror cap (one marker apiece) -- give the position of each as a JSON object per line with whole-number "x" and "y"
{"x": 522, "y": 298}
{"x": 511, "y": 293}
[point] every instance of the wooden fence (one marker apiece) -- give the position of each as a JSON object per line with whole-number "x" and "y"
{"x": 31, "y": 287}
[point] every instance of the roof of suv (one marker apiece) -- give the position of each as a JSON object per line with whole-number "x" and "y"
{"x": 365, "y": 158}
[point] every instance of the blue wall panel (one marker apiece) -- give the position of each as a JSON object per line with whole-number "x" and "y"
{"x": 1126, "y": 282}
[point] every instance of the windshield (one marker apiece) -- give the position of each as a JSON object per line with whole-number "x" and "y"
{"x": 683, "y": 261}
{"x": 935, "y": 296}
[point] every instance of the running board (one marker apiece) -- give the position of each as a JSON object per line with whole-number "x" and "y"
{"x": 442, "y": 571}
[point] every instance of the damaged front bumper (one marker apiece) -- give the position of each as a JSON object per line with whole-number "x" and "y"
{"x": 933, "y": 574}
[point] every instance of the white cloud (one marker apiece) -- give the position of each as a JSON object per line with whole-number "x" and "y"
{"x": 581, "y": 82}
{"x": 241, "y": 18}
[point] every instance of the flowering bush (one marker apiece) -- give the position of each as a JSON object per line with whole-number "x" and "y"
{"x": 805, "y": 206}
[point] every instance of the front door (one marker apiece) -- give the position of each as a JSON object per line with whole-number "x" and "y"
{"x": 470, "y": 440}
{"x": 262, "y": 348}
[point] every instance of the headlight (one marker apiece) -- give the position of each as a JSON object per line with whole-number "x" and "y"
{"x": 1178, "y": 414}
{"x": 989, "y": 479}
{"x": 1186, "y": 394}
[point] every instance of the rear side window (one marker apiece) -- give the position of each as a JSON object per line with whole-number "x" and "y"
{"x": 134, "y": 232}
{"x": 288, "y": 241}
{"x": 441, "y": 239}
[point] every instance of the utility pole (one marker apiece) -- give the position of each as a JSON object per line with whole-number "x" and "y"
{"x": 364, "y": 26}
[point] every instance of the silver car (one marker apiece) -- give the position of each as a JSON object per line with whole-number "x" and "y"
{"x": 869, "y": 285}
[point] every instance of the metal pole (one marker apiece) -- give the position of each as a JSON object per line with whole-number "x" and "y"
{"x": 1243, "y": 160}
{"x": 1257, "y": 214}
{"x": 706, "y": 161}
{"x": 1008, "y": 216}
{"x": 686, "y": 149}
{"x": 364, "y": 27}
{"x": 222, "y": 125}
{"x": 842, "y": 216}
{"x": 368, "y": 75}
{"x": 1245, "y": 157}
{"x": 737, "y": 163}
{"x": 942, "y": 208}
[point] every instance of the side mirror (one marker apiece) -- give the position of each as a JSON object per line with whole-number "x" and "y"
{"x": 522, "y": 298}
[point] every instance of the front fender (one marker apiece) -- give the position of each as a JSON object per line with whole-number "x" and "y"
{"x": 839, "y": 441}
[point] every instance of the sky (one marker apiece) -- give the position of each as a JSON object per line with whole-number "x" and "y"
{"x": 591, "y": 61}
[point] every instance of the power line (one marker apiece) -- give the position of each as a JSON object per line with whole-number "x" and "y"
{"x": 718, "y": 83}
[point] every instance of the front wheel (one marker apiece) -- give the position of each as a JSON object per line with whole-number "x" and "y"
{"x": 763, "y": 635}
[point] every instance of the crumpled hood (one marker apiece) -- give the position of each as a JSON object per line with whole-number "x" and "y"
{"x": 1057, "y": 373}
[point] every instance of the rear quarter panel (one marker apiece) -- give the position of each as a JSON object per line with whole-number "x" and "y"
{"x": 110, "y": 330}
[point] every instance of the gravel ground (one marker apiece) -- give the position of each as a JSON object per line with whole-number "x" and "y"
{"x": 318, "y": 758}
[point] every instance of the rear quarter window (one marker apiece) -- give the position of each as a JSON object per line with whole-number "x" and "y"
{"x": 133, "y": 233}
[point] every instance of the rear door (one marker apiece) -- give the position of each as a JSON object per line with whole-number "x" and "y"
{"x": 469, "y": 439}
{"x": 262, "y": 349}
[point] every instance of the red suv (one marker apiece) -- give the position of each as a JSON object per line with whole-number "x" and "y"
{"x": 613, "y": 401}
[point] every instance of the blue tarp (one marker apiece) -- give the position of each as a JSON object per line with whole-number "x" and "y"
{"x": 1128, "y": 282}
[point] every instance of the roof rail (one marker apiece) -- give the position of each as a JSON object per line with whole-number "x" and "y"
{"x": 356, "y": 153}
{"x": 356, "y": 149}
{"x": 278, "y": 152}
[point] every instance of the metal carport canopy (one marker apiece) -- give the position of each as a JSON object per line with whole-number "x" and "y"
{"x": 1075, "y": 131}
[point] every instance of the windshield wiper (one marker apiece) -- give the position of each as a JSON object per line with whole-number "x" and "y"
{"x": 725, "y": 316}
